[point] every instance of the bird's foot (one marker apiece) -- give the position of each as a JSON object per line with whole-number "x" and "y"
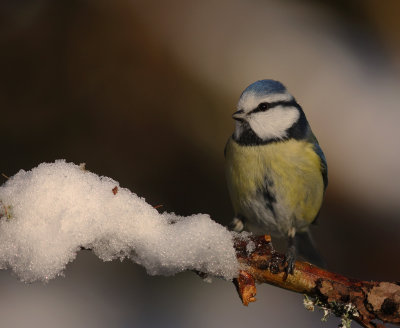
{"x": 236, "y": 225}
{"x": 290, "y": 258}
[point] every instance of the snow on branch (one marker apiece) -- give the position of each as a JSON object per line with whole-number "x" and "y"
{"x": 51, "y": 212}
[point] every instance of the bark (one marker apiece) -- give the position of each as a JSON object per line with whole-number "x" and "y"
{"x": 361, "y": 301}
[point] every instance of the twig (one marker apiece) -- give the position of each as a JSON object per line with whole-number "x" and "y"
{"x": 362, "y": 301}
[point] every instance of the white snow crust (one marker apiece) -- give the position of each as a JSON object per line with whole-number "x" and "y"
{"x": 49, "y": 213}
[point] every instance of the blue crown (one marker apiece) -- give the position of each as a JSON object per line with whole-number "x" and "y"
{"x": 264, "y": 87}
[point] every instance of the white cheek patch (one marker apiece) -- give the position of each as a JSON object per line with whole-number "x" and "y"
{"x": 273, "y": 123}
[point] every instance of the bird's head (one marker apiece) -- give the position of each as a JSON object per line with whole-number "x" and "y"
{"x": 267, "y": 111}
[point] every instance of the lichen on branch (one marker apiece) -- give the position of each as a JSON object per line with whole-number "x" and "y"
{"x": 350, "y": 299}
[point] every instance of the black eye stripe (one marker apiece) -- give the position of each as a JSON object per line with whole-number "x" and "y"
{"x": 283, "y": 103}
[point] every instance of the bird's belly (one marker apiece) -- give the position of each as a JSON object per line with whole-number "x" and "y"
{"x": 275, "y": 187}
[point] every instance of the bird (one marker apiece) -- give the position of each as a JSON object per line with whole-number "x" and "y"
{"x": 275, "y": 169}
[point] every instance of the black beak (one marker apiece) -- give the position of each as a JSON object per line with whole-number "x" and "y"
{"x": 238, "y": 115}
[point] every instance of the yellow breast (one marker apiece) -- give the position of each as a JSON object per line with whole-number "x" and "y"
{"x": 292, "y": 166}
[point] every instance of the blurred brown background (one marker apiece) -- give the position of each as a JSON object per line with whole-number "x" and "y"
{"x": 143, "y": 92}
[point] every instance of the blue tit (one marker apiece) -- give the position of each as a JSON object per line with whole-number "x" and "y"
{"x": 275, "y": 169}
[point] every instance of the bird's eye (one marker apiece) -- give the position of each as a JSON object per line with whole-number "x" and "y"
{"x": 263, "y": 106}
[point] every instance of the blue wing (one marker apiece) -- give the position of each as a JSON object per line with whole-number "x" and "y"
{"x": 324, "y": 165}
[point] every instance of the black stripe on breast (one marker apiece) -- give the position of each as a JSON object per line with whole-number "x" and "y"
{"x": 268, "y": 195}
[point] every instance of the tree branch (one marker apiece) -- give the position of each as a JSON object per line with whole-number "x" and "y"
{"x": 362, "y": 301}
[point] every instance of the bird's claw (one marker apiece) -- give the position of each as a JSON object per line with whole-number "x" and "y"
{"x": 290, "y": 258}
{"x": 236, "y": 225}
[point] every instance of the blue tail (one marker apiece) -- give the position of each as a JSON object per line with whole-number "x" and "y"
{"x": 306, "y": 249}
